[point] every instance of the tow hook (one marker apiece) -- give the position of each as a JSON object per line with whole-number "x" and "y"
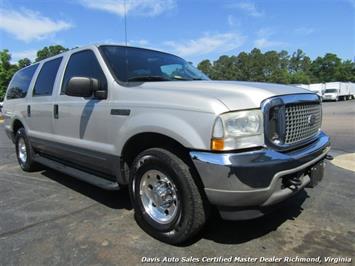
{"x": 293, "y": 182}
{"x": 329, "y": 157}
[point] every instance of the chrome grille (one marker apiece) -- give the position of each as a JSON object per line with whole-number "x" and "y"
{"x": 302, "y": 121}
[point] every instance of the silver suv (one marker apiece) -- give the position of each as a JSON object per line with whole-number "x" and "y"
{"x": 116, "y": 116}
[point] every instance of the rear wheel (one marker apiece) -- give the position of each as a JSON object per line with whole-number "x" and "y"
{"x": 166, "y": 200}
{"x": 24, "y": 151}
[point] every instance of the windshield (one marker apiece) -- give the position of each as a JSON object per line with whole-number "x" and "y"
{"x": 136, "y": 64}
{"x": 330, "y": 90}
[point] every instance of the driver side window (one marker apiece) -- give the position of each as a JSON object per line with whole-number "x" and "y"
{"x": 83, "y": 64}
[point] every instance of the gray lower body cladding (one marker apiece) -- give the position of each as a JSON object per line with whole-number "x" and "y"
{"x": 257, "y": 179}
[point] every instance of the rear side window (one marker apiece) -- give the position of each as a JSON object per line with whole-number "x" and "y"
{"x": 21, "y": 81}
{"x": 46, "y": 77}
{"x": 83, "y": 64}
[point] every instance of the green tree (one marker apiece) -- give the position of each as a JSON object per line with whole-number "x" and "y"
{"x": 24, "y": 62}
{"x": 206, "y": 67}
{"x": 6, "y": 71}
{"x": 224, "y": 68}
{"x": 346, "y": 71}
{"x": 325, "y": 69}
{"x": 50, "y": 51}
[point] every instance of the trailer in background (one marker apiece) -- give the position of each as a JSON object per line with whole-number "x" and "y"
{"x": 303, "y": 86}
{"x": 331, "y": 91}
{"x": 351, "y": 90}
{"x": 318, "y": 88}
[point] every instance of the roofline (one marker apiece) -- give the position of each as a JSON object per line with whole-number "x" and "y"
{"x": 96, "y": 45}
{"x": 136, "y": 47}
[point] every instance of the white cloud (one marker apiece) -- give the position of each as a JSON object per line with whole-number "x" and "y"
{"x": 304, "y": 31}
{"x": 27, "y": 25}
{"x": 30, "y": 54}
{"x": 140, "y": 43}
{"x": 209, "y": 43}
{"x": 249, "y": 7}
{"x": 231, "y": 20}
{"x": 265, "y": 32}
{"x": 266, "y": 43}
{"x": 264, "y": 39}
{"x": 148, "y": 8}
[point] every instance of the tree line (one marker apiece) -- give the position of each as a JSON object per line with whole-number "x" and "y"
{"x": 271, "y": 66}
{"x": 279, "y": 67}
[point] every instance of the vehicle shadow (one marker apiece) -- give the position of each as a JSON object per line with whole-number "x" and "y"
{"x": 112, "y": 199}
{"x": 217, "y": 230}
{"x": 238, "y": 232}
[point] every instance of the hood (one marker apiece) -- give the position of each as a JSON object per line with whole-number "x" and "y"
{"x": 235, "y": 95}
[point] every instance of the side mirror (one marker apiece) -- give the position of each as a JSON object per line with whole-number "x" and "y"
{"x": 85, "y": 87}
{"x": 81, "y": 86}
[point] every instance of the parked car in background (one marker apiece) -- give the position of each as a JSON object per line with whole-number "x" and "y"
{"x": 120, "y": 116}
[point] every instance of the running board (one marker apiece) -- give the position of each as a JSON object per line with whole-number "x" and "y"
{"x": 84, "y": 176}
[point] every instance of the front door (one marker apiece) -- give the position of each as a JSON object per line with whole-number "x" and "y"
{"x": 80, "y": 124}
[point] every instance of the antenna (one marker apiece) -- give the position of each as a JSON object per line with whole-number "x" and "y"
{"x": 125, "y": 21}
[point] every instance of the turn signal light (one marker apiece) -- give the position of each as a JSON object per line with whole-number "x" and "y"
{"x": 217, "y": 144}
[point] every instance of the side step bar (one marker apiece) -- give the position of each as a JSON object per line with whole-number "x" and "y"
{"x": 84, "y": 176}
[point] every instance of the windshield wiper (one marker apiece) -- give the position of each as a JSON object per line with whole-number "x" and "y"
{"x": 149, "y": 78}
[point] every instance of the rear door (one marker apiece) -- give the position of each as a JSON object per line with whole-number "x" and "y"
{"x": 15, "y": 104}
{"x": 40, "y": 107}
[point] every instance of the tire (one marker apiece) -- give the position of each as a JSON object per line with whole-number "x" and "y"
{"x": 183, "y": 215}
{"x": 24, "y": 151}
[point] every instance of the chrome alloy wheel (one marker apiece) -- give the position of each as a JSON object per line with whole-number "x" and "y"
{"x": 159, "y": 196}
{"x": 22, "y": 150}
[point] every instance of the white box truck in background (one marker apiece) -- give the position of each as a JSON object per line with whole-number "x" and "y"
{"x": 331, "y": 91}
{"x": 336, "y": 91}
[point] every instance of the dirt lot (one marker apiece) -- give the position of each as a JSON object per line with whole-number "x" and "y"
{"x": 50, "y": 218}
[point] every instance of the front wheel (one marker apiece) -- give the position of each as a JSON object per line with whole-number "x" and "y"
{"x": 167, "y": 202}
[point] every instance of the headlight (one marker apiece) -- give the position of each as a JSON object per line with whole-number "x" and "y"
{"x": 237, "y": 130}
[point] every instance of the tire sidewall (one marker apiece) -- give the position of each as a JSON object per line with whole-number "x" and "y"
{"x": 21, "y": 134}
{"x": 155, "y": 161}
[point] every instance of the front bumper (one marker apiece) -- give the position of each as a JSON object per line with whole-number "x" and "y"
{"x": 329, "y": 97}
{"x": 256, "y": 179}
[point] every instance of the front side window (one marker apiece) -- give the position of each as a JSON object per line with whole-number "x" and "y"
{"x": 137, "y": 64}
{"x": 83, "y": 64}
{"x": 46, "y": 78}
{"x": 21, "y": 81}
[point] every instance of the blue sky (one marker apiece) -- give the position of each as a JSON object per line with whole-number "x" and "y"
{"x": 193, "y": 29}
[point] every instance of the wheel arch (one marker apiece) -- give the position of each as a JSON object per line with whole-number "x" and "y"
{"x": 145, "y": 140}
{"x": 16, "y": 125}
